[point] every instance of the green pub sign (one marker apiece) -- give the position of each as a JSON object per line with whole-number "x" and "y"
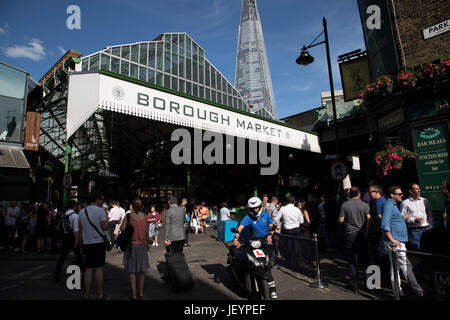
{"x": 430, "y": 144}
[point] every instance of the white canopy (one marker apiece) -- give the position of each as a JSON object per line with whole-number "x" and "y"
{"x": 90, "y": 91}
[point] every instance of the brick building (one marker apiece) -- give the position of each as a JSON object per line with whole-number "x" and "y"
{"x": 410, "y": 19}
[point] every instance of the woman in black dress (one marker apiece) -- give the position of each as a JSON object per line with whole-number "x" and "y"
{"x": 41, "y": 226}
{"x": 304, "y": 227}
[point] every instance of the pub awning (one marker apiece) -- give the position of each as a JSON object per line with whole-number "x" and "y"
{"x": 89, "y": 92}
{"x": 13, "y": 157}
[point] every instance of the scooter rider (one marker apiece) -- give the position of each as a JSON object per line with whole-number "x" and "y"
{"x": 261, "y": 224}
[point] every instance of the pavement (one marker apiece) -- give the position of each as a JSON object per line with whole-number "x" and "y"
{"x": 29, "y": 276}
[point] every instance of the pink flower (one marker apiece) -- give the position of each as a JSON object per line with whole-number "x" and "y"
{"x": 395, "y": 167}
{"x": 413, "y": 83}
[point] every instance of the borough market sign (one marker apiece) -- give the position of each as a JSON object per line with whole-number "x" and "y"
{"x": 91, "y": 91}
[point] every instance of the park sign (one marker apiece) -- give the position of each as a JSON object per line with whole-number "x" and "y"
{"x": 436, "y": 30}
{"x": 430, "y": 143}
{"x": 91, "y": 91}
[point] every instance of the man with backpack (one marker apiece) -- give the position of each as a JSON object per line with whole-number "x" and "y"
{"x": 68, "y": 236}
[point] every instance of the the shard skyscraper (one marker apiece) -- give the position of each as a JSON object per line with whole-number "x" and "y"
{"x": 252, "y": 68}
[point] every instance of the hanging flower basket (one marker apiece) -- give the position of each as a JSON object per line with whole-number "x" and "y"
{"x": 391, "y": 158}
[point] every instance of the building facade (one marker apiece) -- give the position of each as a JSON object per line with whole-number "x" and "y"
{"x": 253, "y": 79}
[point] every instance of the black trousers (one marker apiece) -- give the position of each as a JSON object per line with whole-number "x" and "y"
{"x": 111, "y": 227}
{"x": 357, "y": 253}
{"x": 62, "y": 257}
{"x": 175, "y": 246}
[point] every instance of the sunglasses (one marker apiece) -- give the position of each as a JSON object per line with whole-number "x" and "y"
{"x": 398, "y": 194}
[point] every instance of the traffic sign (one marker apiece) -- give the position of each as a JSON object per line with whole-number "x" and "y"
{"x": 339, "y": 170}
{"x": 67, "y": 180}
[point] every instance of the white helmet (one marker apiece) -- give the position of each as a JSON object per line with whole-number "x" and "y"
{"x": 254, "y": 202}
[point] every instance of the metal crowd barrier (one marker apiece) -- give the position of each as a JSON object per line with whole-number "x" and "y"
{"x": 299, "y": 254}
{"x": 432, "y": 272}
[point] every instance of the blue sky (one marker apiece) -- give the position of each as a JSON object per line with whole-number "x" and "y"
{"x": 33, "y": 36}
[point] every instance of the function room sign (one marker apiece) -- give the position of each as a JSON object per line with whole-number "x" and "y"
{"x": 432, "y": 162}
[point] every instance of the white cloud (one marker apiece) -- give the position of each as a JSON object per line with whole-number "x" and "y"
{"x": 61, "y": 50}
{"x": 2, "y": 31}
{"x": 34, "y": 51}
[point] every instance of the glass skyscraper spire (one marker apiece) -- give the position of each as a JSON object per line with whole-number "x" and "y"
{"x": 253, "y": 80}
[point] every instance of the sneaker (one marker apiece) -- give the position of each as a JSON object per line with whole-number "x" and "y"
{"x": 16, "y": 250}
{"x": 157, "y": 244}
{"x": 273, "y": 293}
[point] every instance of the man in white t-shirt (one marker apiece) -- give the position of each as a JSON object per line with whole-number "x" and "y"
{"x": 11, "y": 215}
{"x": 115, "y": 217}
{"x": 94, "y": 248}
{"x": 70, "y": 239}
{"x": 224, "y": 212}
{"x": 291, "y": 216}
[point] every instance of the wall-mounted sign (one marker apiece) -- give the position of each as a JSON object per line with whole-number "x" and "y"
{"x": 339, "y": 170}
{"x": 355, "y": 75}
{"x": 436, "y": 30}
{"x": 67, "y": 180}
{"x": 430, "y": 144}
{"x": 32, "y": 131}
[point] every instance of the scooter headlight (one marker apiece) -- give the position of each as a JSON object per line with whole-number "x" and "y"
{"x": 256, "y": 244}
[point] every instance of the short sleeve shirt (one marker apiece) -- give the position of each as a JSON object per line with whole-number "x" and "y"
{"x": 97, "y": 216}
{"x": 354, "y": 212}
{"x": 224, "y": 213}
{"x": 260, "y": 227}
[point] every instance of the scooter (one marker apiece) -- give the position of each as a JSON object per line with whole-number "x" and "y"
{"x": 253, "y": 275}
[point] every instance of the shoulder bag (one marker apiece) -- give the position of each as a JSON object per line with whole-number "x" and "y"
{"x": 107, "y": 244}
{"x": 126, "y": 236}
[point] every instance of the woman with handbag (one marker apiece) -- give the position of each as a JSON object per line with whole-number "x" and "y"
{"x": 136, "y": 257}
{"x": 154, "y": 225}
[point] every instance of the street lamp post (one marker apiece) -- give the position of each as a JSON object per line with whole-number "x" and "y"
{"x": 305, "y": 59}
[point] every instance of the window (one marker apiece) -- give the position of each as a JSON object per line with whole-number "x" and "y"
{"x": 213, "y": 78}
{"x": 159, "y": 79}
{"x": 104, "y": 62}
{"x": 151, "y": 55}
{"x": 85, "y": 65}
{"x": 195, "y": 90}
{"x": 125, "y": 68}
{"x": 125, "y": 52}
{"x": 167, "y": 81}
{"x": 143, "y": 48}
{"x": 151, "y": 76}
{"x": 11, "y": 114}
{"x": 219, "y": 82}
{"x": 159, "y": 55}
{"x": 219, "y": 97}
{"x": 188, "y": 87}
{"x": 115, "y": 65}
{"x": 142, "y": 73}
{"x": 174, "y": 83}
{"x": 202, "y": 92}
{"x": 167, "y": 55}
{"x": 208, "y": 94}
{"x": 207, "y": 74}
{"x": 181, "y": 87}
{"x": 134, "y": 71}
{"x": 134, "y": 53}
{"x": 93, "y": 63}
{"x": 195, "y": 71}
{"x": 115, "y": 51}
{"x": 188, "y": 68}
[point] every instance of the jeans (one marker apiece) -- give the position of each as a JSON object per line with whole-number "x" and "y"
{"x": 414, "y": 236}
{"x": 404, "y": 265}
{"x": 356, "y": 248}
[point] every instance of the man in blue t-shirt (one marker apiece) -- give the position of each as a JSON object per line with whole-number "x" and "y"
{"x": 261, "y": 225}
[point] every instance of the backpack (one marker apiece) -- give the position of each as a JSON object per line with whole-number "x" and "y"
{"x": 64, "y": 227}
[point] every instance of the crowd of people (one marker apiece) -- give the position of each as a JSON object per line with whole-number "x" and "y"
{"x": 364, "y": 226}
